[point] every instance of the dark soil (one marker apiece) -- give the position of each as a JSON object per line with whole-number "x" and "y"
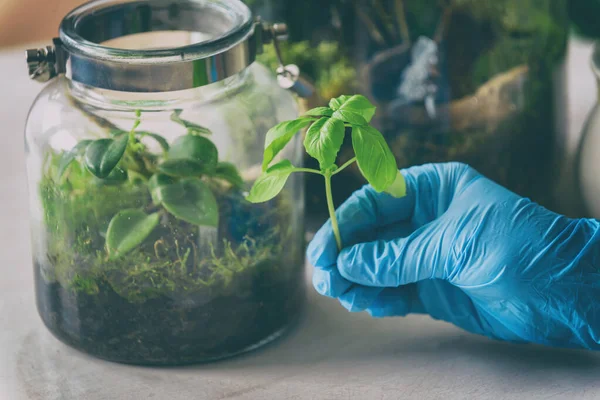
{"x": 167, "y": 331}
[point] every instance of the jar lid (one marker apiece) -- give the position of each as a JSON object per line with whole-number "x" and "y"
{"x": 82, "y": 54}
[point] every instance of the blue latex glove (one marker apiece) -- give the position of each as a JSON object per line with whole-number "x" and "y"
{"x": 465, "y": 250}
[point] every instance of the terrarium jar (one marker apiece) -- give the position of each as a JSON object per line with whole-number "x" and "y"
{"x": 588, "y": 158}
{"x": 140, "y": 152}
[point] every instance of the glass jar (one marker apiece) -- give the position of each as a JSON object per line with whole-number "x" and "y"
{"x": 588, "y": 162}
{"x": 477, "y": 81}
{"x": 139, "y": 155}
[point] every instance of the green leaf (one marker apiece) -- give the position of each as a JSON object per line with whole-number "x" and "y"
{"x": 280, "y": 135}
{"x": 136, "y": 178}
{"x": 320, "y": 112}
{"x": 188, "y": 199}
{"x": 398, "y": 187}
{"x": 337, "y": 102}
{"x": 197, "y": 149}
{"x": 102, "y": 155}
{"x": 161, "y": 140}
{"x": 181, "y": 167}
{"x": 156, "y": 182}
{"x": 357, "y": 104}
{"x": 374, "y": 157}
{"x": 349, "y": 117}
{"x": 270, "y": 183}
{"x": 116, "y": 176}
{"x": 228, "y": 172}
{"x": 116, "y": 132}
{"x": 67, "y": 158}
{"x": 127, "y": 230}
{"x": 324, "y": 139}
{"x": 191, "y": 127}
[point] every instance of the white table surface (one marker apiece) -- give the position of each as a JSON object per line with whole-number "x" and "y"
{"x": 331, "y": 354}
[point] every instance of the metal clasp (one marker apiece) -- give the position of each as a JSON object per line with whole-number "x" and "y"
{"x": 45, "y": 63}
{"x": 288, "y": 76}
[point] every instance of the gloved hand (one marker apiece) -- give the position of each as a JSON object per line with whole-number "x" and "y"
{"x": 465, "y": 250}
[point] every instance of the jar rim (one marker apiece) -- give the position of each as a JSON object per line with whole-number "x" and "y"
{"x": 135, "y": 16}
{"x": 235, "y": 38}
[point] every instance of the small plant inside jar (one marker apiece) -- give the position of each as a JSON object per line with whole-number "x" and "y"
{"x": 323, "y": 140}
{"x": 156, "y": 257}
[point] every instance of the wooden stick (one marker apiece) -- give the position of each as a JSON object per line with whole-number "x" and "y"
{"x": 386, "y": 18}
{"x": 440, "y": 31}
{"x": 371, "y": 27}
{"x": 402, "y": 24}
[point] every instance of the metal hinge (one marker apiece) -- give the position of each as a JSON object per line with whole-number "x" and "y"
{"x": 288, "y": 75}
{"x": 45, "y": 63}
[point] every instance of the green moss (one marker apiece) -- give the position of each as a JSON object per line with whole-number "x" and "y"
{"x": 85, "y": 285}
{"x": 172, "y": 261}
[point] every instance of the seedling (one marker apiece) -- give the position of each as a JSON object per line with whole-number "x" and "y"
{"x": 324, "y": 137}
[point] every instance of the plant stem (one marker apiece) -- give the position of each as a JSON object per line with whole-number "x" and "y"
{"x": 136, "y": 123}
{"x": 312, "y": 171}
{"x": 344, "y": 165}
{"x": 334, "y": 223}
